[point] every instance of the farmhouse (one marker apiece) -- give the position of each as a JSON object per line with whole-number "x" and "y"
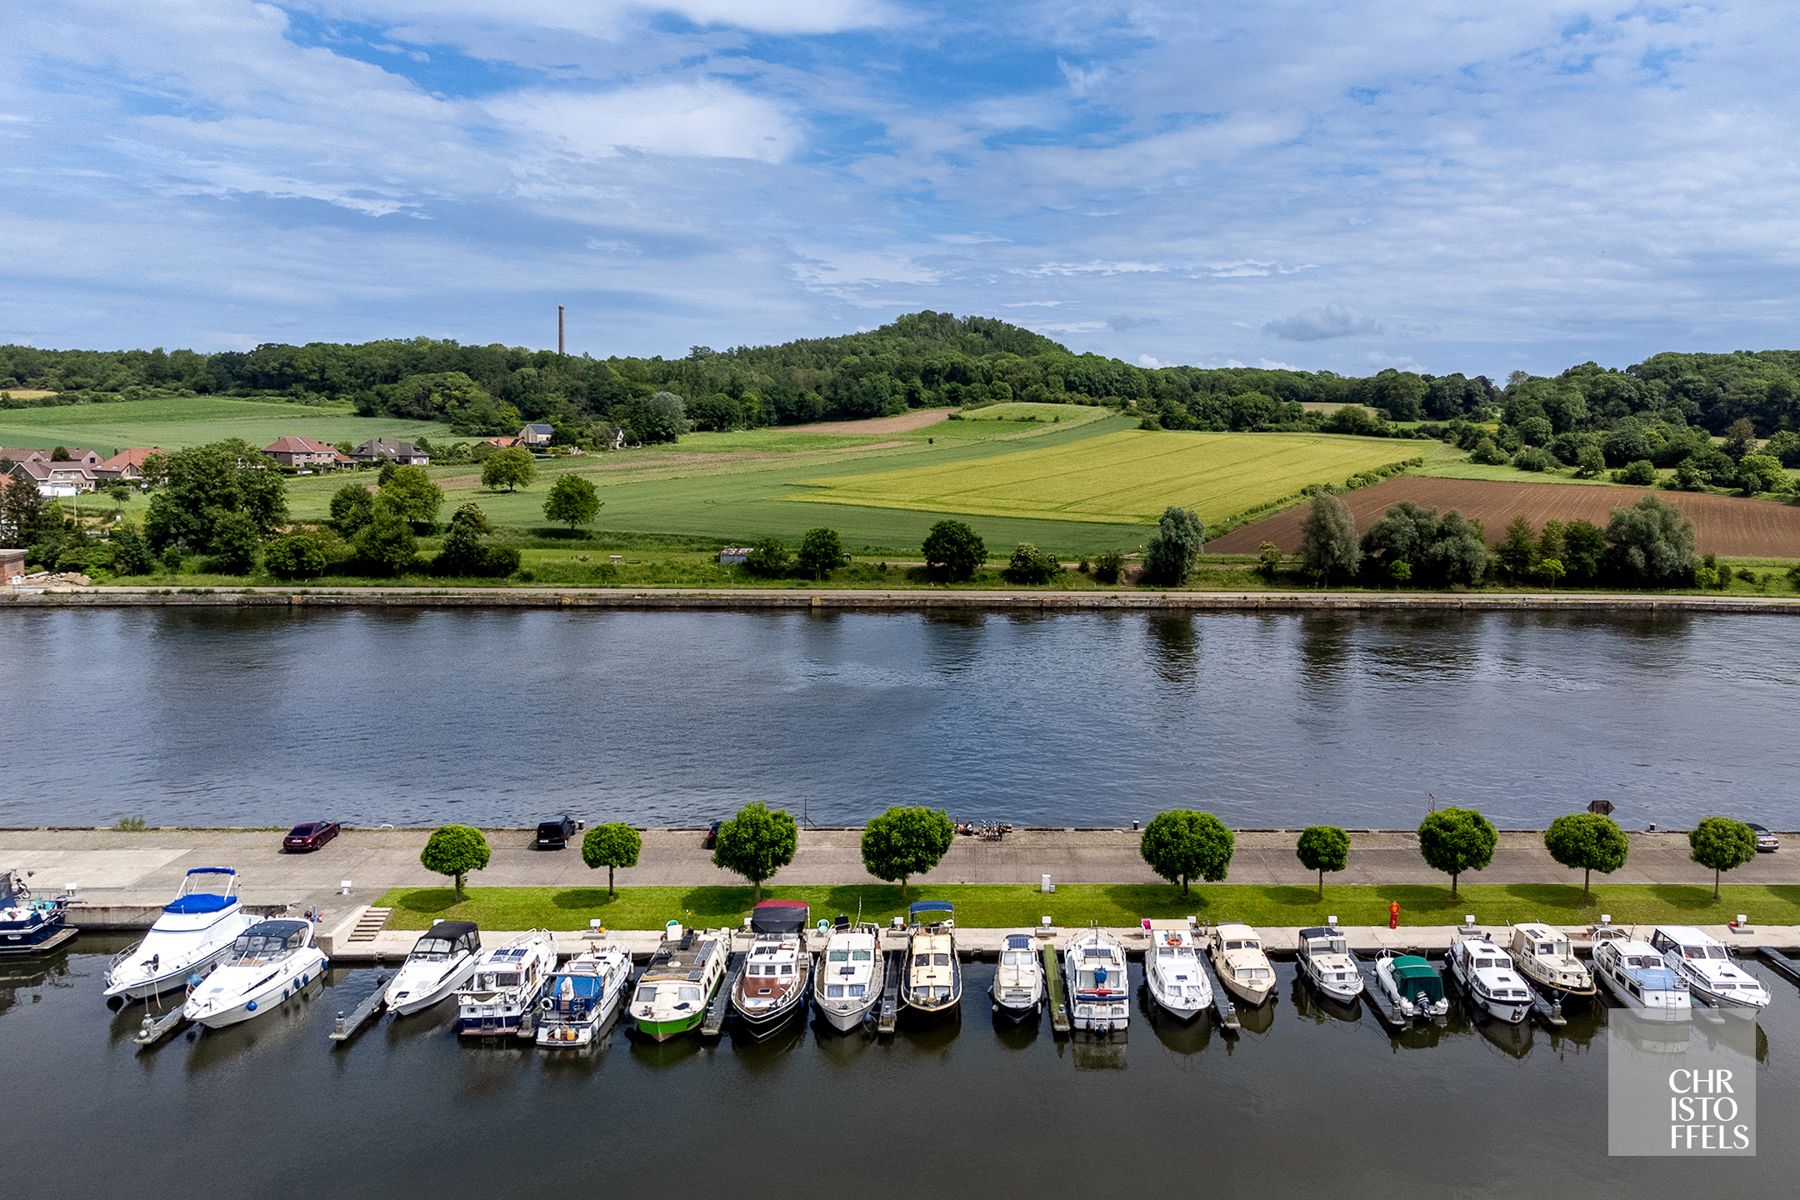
{"x": 304, "y": 454}
{"x": 384, "y": 450}
{"x": 535, "y": 435}
{"x": 500, "y": 443}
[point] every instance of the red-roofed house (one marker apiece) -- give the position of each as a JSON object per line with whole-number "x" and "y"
{"x": 298, "y": 453}
{"x": 129, "y": 464}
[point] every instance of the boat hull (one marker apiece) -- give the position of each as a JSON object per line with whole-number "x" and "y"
{"x": 762, "y": 1022}
{"x": 287, "y": 984}
{"x": 1341, "y": 992}
{"x": 491, "y": 1022}
{"x": 1013, "y": 1009}
{"x": 1510, "y": 1011}
{"x": 662, "y": 1031}
{"x": 845, "y": 1020}
{"x": 169, "y": 980}
{"x": 34, "y": 937}
{"x": 1181, "y": 1010}
{"x": 419, "y": 997}
{"x": 573, "y": 1035}
{"x": 931, "y": 1009}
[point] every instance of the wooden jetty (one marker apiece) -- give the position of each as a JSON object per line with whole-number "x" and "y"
{"x": 347, "y": 1026}
{"x": 1781, "y": 964}
{"x": 1548, "y": 1012}
{"x": 713, "y": 1026}
{"x": 1056, "y": 999}
{"x": 1378, "y": 1000}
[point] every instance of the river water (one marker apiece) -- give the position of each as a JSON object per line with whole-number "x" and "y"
{"x": 414, "y": 717}
{"x": 1305, "y": 1102}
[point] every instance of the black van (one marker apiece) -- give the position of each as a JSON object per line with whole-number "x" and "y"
{"x": 554, "y": 835}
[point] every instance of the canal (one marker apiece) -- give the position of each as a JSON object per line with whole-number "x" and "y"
{"x": 1304, "y": 1101}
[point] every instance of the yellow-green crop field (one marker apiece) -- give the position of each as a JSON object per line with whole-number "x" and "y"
{"x": 1125, "y": 478}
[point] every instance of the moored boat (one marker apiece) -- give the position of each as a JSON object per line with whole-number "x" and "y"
{"x": 1173, "y": 972}
{"x": 848, "y": 980}
{"x": 933, "y": 982}
{"x": 1485, "y": 972}
{"x": 441, "y": 961}
{"x": 30, "y": 925}
{"x": 772, "y": 984}
{"x": 1017, "y": 992}
{"x": 684, "y": 975}
{"x": 1326, "y": 963}
{"x": 1244, "y": 968}
{"x": 1413, "y": 986}
{"x": 505, "y": 986}
{"x": 582, "y": 997}
{"x": 1546, "y": 958}
{"x": 1637, "y": 976}
{"x": 1704, "y": 962}
{"x": 190, "y": 938}
{"x": 270, "y": 963}
{"x": 1094, "y": 975}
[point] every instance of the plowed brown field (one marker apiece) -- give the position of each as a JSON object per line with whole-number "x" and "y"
{"x": 1729, "y": 525}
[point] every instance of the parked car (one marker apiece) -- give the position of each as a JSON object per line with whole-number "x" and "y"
{"x": 712, "y": 835}
{"x": 310, "y": 835}
{"x": 554, "y": 835}
{"x": 1765, "y": 840}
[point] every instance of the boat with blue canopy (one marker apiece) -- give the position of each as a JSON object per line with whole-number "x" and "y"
{"x": 194, "y": 932}
{"x": 583, "y": 997}
{"x": 28, "y": 924}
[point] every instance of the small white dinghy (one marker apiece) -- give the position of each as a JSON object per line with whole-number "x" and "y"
{"x": 269, "y": 963}
{"x": 1018, "y": 987}
{"x": 441, "y": 961}
{"x": 1412, "y": 985}
{"x": 1177, "y": 979}
{"x": 194, "y": 932}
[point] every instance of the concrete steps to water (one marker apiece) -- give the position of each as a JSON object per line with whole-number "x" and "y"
{"x": 369, "y": 924}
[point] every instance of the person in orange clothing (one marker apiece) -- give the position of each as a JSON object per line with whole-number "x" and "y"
{"x": 1394, "y": 915}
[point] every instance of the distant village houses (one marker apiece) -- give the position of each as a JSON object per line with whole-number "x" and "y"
{"x": 377, "y": 451}
{"x": 535, "y": 436}
{"x": 304, "y": 454}
{"x": 57, "y": 477}
{"x": 128, "y": 465}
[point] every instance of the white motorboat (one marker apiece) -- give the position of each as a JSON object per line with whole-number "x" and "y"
{"x": 1244, "y": 969}
{"x": 684, "y": 975}
{"x": 1412, "y": 985}
{"x": 1326, "y": 963}
{"x": 1545, "y": 957}
{"x": 1018, "y": 988}
{"x": 773, "y": 983}
{"x": 269, "y": 963}
{"x": 847, "y": 985}
{"x": 1636, "y": 974}
{"x": 1703, "y": 961}
{"x": 1486, "y": 973}
{"x": 506, "y": 984}
{"x": 194, "y": 932}
{"x": 1095, "y": 977}
{"x": 933, "y": 982}
{"x": 583, "y": 997}
{"x": 441, "y": 961}
{"x": 1177, "y": 979}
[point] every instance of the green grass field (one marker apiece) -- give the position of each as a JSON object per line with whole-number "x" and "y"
{"x": 1001, "y": 906}
{"x": 193, "y": 420}
{"x": 1125, "y": 477}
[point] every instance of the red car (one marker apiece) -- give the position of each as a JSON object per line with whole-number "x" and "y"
{"x": 310, "y": 835}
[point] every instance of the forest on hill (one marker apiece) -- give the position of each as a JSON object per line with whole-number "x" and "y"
{"x": 1664, "y": 410}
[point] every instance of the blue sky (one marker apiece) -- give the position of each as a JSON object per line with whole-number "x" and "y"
{"x": 1344, "y": 186}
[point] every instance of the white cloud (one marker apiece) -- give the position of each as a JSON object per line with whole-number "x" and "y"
{"x": 1319, "y": 324}
{"x": 702, "y": 119}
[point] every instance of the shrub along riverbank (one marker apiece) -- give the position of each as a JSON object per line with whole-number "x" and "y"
{"x": 996, "y": 906}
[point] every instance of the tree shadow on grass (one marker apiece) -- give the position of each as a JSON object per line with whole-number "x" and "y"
{"x": 1685, "y": 897}
{"x": 430, "y": 901}
{"x": 583, "y": 898}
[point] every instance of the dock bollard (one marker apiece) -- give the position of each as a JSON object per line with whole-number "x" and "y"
{"x": 341, "y": 1031}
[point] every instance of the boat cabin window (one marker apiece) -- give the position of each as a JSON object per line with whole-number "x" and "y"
{"x": 839, "y": 991}
{"x": 689, "y": 995}
{"x": 503, "y": 979}
{"x": 837, "y": 956}
{"x": 862, "y": 955}
{"x": 1703, "y": 952}
{"x": 1237, "y": 945}
{"x": 435, "y": 950}
{"x": 646, "y": 994}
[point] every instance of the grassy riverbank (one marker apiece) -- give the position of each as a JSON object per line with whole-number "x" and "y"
{"x": 988, "y": 906}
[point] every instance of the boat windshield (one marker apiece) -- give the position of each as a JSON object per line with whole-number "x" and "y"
{"x": 841, "y": 991}
{"x": 432, "y": 950}
{"x": 258, "y": 947}
{"x": 1703, "y": 952}
{"x": 1015, "y": 958}
{"x": 1240, "y": 945}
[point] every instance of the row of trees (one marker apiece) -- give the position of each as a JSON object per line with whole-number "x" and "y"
{"x": 1648, "y": 544}
{"x": 1180, "y": 845}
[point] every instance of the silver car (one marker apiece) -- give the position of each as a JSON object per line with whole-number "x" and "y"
{"x": 1765, "y": 840}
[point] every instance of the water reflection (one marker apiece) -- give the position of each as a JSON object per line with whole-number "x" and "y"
{"x": 1175, "y": 652}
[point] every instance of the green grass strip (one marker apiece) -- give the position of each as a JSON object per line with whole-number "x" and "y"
{"x": 993, "y": 906}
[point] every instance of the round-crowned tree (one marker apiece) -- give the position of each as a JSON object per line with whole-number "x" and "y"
{"x": 756, "y": 843}
{"x": 1323, "y": 848}
{"x": 573, "y": 500}
{"x": 1587, "y": 842}
{"x": 612, "y": 845}
{"x": 1171, "y": 553}
{"x": 511, "y": 468}
{"x": 1722, "y": 844}
{"x": 953, "y": 551}
{"x": 1182, "y": 845}
{"x": 903, "y": 842}
{"x": 1454, "y": 840}
{"x": 455, "y": 850}
{"x": 821, "y": 553}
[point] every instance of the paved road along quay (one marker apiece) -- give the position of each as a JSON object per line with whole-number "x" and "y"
{"x": 141, "y": 870}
